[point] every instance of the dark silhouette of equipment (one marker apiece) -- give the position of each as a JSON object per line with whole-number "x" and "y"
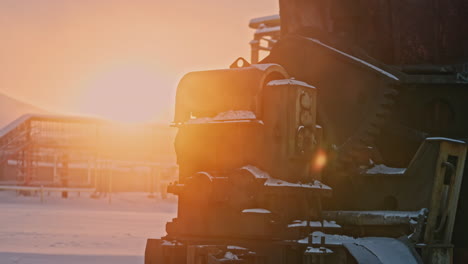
{"x": 346, "y": 144}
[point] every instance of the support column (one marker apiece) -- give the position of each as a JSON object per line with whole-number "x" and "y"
{"x": 64, "y": 174}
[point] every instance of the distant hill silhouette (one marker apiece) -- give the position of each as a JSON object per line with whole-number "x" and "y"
{"x": 11, "y": 109}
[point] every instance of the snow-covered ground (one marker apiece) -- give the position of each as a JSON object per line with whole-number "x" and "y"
{"x": 80, "y": 229}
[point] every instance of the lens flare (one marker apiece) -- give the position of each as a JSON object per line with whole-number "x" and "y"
{"x": 320, "y": 160}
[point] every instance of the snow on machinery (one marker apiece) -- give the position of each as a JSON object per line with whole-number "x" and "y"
{"x": 382, "y": 127}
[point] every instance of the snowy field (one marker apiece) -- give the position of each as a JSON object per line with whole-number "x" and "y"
{"x": 80, "y": 229}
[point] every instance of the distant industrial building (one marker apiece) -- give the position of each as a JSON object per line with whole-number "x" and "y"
{"x": 70, "y": 151}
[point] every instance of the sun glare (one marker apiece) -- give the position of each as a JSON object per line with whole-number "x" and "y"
{"x": 129, "y": 94}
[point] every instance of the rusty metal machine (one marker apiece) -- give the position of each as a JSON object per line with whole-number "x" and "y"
{"x": 346, "y": 144}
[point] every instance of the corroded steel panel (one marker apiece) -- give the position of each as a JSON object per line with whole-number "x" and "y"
{"x": 394, "y": 32}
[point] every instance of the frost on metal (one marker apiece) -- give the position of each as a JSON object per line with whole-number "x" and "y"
{"x": 256, "y": 211}
{"x": 382, "y": 169}
{"x": 276, "y": 182}
{"x": 231, "y": 247}
{"x": 265, "y": 20}
{"x": 171, "y": 243}
{"x": 378, "y": 246}
{"x": 232, "y": 115}
{"x": 289, "y": 82}
{"x": 267, "y": 30}
{"x": 256, "y": 172}
{"x": 230, "y": 256}
{"x": 316, "y": 238}
{"x": 325, "y": 224}
{"x": 272, "y": 182}
{"x": 372, "y": 217}
{"x": 317, "y": 251}
{"x": 239, "y": 114}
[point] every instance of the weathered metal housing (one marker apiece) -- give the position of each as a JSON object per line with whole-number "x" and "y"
{"x": 373, "y": 91}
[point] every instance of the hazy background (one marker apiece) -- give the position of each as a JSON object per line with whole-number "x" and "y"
{"x": 120, "y": 59}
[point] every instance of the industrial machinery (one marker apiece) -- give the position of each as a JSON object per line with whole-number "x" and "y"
{"x": 346, "y": 144}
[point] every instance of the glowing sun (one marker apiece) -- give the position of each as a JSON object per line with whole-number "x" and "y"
{"x": 125, "y": 94}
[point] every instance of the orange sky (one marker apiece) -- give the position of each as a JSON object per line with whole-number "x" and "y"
{"x": 120, "y": 59}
